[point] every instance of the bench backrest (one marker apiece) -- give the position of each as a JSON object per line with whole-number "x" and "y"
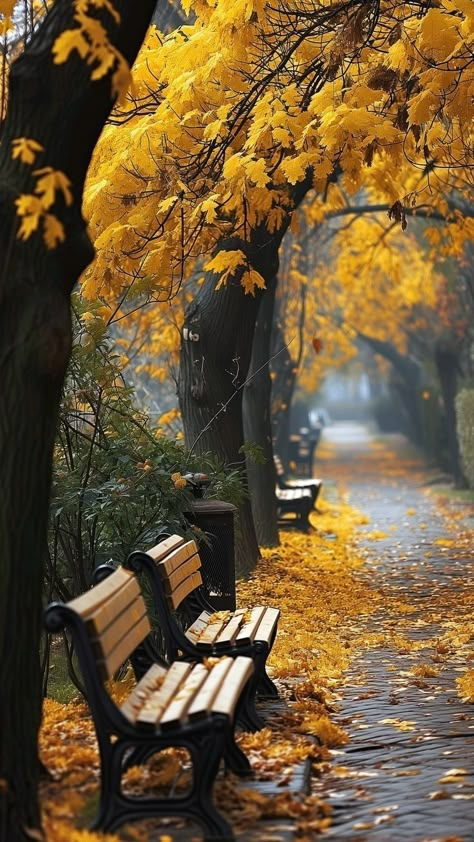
{"x": 179, "y": 566}
{"x": 116, "y": 620}
{"x": 280, "y": 471}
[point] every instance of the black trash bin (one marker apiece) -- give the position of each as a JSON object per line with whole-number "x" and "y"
{"x": 216, "y": 519}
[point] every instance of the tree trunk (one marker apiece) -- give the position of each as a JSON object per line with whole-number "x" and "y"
{"x": 258, "y": 427}
{"x": 447, "y": 366}
{"x": 406, "y": 384}
{"x": 60, "y": 108}
{"x": 214, "y": 363}
{"x": 283, "y": 387}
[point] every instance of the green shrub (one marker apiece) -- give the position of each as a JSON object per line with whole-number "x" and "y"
{"x": 116, "y": 483}
{"x": 465, "y": 431}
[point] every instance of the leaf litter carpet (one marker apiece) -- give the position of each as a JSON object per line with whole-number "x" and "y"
{"x": 374, "y": 662}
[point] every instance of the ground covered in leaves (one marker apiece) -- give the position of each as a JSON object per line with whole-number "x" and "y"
{"x": 355, "y": 610}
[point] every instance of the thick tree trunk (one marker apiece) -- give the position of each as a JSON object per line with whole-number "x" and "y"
{"x": 60, "y": 108}
{"x": 258, "y": 426}
{"x": 447, "y": 366}
{"x": 215, "y": 357}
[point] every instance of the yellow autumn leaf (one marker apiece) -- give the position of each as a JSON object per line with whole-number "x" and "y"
{"x": 26, "y": 149}
{"x": 53, "y": 233}
{"x": 465, "y": 685}
{"x": 256, "y": 171}
{"x": 49, "y": 182}
{"x": 209, "y": 208}
{"x": 421, "y": 107}
{"x": 295, "y": 168}
{"x": 6, "y": 7}
{"x": 225, "y": 263}
{"x": 69, "y": 40}
{"x": 252, "y": 279}
{"x": 30, "y": 209}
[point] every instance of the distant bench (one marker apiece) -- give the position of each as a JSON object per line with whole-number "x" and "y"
{"x": 173, "y": 569}
{"x": 192, "y": 705}
{"x": 297, "y": 497}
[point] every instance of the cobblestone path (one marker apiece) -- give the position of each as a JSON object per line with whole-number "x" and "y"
{"x": 407, "y": 774}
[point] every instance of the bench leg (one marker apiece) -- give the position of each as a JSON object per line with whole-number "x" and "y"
{"x": 235, "y": 760}
{"x": 206, "y": 750}
{"x": 247, "y": 716}
{"x": 206, "y": 755}
{"x": 266, "y": 687}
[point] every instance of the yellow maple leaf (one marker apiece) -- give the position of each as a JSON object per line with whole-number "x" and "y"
{"x": 26, "y": 149}
{"x": 53, "y": 232}
{"x": 71, "y": 39}
{"x": 30, "y": 209}
{"x": 295, "y": 168}
{"x": 209, "y": 208}
{"x": 49, "y": 182}
{"x": 226, "y": 264}
{"x": 256, "y": 171}
{"x": 252, "y": 279}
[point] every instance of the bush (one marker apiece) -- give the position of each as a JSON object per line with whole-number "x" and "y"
{"x": 465, "y": 431}
{"x": 116, "y": 482}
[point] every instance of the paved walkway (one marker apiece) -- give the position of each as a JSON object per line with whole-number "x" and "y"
{"x": 407, "y": 774}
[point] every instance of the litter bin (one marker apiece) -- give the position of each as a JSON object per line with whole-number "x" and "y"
{"x": 216, "y": 519}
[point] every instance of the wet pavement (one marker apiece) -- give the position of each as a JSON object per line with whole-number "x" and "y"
{"x": 407, "y": 774}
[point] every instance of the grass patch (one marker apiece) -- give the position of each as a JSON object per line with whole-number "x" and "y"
{"x": 60, "y": 686}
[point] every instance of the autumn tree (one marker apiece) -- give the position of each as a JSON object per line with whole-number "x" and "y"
{"x": 232, "y": 113}
{"x": 61, "y": 90}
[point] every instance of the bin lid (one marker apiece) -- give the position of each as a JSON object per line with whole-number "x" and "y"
{"x": 212, "y": 506}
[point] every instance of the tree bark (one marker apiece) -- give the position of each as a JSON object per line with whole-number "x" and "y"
{"x": 214, "y": 364}
{"x": 258, "y": 426}
{"x": 447, "y": 366}
{"x": 283, "y": 388}
{"x": 60, "y": 108}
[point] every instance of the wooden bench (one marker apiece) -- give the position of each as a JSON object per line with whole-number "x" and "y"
{"x": 313, "y": 485}
{"x": 301, "y": 449}
{"x": 173, "y": 568}
{"x": 192, "y": 705}
{"x": 297, "y": 502}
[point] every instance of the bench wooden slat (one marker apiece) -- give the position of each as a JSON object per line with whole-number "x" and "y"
{"x": 105, "y": 642}
{"x": 181, "y": 573}
{"x": 267, "y": 625}
{"x": 198, "y": 626}
{"x": 124, "y": 647}
{"x": 150, "y": 713}
{"x": 176, "y": 711}
{"x": 228, "y": 695}
{"x": 177, "y": 557}
{"x": 100, "y": 619}
{"x": 230, "y": 630}
{"x": 141, "y": 693}
{"x": 188, "y": 586}
{"x": 210, "y": 634}
{"x": 249, "y": 629}
{"x": 203, "y": 701}
{"x": 90, "y": 601}
{"x": 159, "y": 551}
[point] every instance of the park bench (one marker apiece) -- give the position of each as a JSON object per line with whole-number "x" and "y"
{"x": 192, "y": 705}
{"x": 173, "y": 569}
{"x": 301, "y": 449}
{"x": 314, "y": 485}
{"x": 297, "y": 502}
